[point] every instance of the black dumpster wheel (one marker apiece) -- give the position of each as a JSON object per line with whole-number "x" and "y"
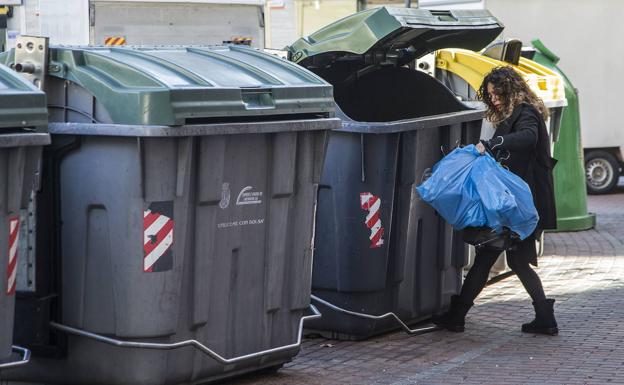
{"x": 602, "y": 172}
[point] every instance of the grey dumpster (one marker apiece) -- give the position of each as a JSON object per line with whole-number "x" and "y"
{"x": 378, "y": 248}
{"x": 23, "y": 119}
{"x": 180, "y": 187}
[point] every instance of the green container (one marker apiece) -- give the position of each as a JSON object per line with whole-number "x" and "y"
{"x": 220, "y": 149}
{"x": 570, "y": 190}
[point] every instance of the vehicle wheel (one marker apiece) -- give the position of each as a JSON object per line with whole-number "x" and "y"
{"x": 602, "y": 172}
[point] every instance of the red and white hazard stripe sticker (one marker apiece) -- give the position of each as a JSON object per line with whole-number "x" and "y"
{"x": 372, "y": 204}
{"x": 157, "y": 238}
{"x": 13, "y": 241}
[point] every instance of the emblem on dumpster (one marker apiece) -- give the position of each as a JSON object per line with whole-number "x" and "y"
{"x": 248, "y": 196}
{"x": 372, "y": 204}
{"x": 225, "y": 196}
{"x": 158, "y": 237}
{"x": 13, "y": 241}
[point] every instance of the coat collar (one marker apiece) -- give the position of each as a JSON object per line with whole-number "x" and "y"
{"x": 504, "y": 127}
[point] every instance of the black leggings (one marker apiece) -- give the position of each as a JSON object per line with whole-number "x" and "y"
{"x": 517, "y": 260}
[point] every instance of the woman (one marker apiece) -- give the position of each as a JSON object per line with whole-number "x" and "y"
{"x": 520, "y": 138}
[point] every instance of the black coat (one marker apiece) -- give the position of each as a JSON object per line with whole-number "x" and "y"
{"x": 526, "y": 139}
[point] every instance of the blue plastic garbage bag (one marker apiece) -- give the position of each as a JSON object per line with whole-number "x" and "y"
{"x": 506, "y": 198}
{"x": 450, "y": 190}
{"x": 471, "y": 190}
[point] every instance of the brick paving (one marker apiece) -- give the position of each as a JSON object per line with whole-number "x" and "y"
{"x": 583, "y": 271}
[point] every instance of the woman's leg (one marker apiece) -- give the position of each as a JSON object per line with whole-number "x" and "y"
{"x": 455, "y": 318}
{"x": 544, "y": 322}
{"x": 478, "y": 274}
{"x": 518, "y": 261}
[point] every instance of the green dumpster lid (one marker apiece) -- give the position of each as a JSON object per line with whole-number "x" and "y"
{"x": 175, "y": 85}
{"x": 22, "y": 105}
{"x": 394, "y": 36}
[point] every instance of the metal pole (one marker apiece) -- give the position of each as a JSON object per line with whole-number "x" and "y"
{"x": 408, "y": 3}
{"x": 193, "y": 343}
{"x": 3, "y": 27}
{"x": 22, "y": 361}
{"x": 423, "y": 330}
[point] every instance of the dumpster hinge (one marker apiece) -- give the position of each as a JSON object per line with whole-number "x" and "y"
{"x": 31, "y": 59}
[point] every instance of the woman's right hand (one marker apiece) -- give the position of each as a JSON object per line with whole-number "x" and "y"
{"x": 480, "y": 148}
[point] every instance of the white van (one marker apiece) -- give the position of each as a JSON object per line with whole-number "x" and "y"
{"x": 140, "y": 22}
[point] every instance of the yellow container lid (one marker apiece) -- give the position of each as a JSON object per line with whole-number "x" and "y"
{"x": 472, "y": 67}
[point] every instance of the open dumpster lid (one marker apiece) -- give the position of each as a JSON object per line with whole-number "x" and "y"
{"x": 22, "y": 105}
{"x": 472, "y": 67}
{"x": 394, "y": 36}
{"x": 177, "y": 85}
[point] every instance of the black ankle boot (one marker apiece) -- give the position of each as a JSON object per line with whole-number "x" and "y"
{"x": 544, "y": 322}
{"x": 454, "y": 318}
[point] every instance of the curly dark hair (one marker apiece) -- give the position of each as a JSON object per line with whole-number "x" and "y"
{"x": 512, "y": 90}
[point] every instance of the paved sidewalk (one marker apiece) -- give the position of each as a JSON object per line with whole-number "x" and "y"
{"x": 584, "y": 271}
